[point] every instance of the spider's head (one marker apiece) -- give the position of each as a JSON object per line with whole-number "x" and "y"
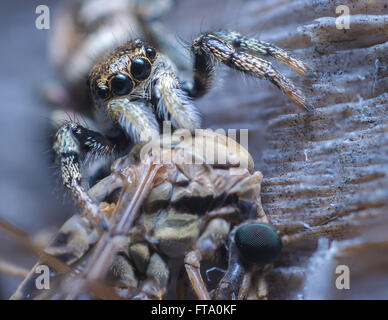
{"x": 120, "y": 73}
{"x": 119, "y": 79}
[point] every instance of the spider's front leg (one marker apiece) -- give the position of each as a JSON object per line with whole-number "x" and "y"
{"x": 240, "y": 53}
{"x": 72, "y": 143}
{"x": 173, "y": 102}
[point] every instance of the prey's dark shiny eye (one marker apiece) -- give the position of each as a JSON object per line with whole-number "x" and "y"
{"x": 102, "y": 92}
{"x": 150, "y": 53}
{"x": 121, "y": 84}
{"x": 140, "y": 69}
{"x": 258, "y": 243}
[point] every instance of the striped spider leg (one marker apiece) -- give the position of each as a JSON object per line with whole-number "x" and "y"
{"x": 243, "y": 54}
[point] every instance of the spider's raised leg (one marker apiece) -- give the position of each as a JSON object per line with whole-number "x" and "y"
{"x": 257, "y": 47}
{"x": 209, "y": 48}
{"x": 73, "y": 142}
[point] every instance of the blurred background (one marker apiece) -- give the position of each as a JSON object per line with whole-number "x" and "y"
{"x": 325, "y": 184}
{"x": 28, "y": 193}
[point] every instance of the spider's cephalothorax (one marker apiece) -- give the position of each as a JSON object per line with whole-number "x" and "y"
{"x": 138, "y": 88}
{"x": 135, "y": 88}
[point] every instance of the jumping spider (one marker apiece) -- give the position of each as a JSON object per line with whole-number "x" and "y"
{"x": 135, "y": 88}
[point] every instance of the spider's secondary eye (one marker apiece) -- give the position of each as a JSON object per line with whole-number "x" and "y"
{"x": 140, "y": 69}
{"x": 150, "y": 53}
{"x": 102, "y": 92}
{"x": 258, "y": 243}
{"x": 121, "y": 84}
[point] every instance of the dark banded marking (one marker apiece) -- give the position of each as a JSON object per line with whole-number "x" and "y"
{"x": 61, "y": 239}
{"x": 200, "y": 205}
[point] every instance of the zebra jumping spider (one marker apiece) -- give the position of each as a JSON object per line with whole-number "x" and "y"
{"x": 135, "y": 88}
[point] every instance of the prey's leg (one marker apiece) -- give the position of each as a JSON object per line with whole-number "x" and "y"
{"x": 210, "y": 241}
{"x": 12, "y": 269}
{"x": 73, "y": 142}
{"x": 234, "y": 284}
{"x": 210, "y": 48}
{"x": 252, "y": 246}
{"x": 193, "y": 268}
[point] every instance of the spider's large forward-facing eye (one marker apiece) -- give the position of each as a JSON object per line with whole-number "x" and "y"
{"x": 140, "y": 69}
{"x": 258, "y": 243}
{"x": 121, "y": 84}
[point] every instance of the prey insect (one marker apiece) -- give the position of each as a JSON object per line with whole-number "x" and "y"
{"x": 168, "y": 215}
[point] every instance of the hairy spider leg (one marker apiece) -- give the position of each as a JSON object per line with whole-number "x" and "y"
{"x": 136, "y": 118}
{"x": 71, "y": 145}
{"x": 173, "y": 102}
{"x": 209, "y": 48}
{"x": 257, "y": 47}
